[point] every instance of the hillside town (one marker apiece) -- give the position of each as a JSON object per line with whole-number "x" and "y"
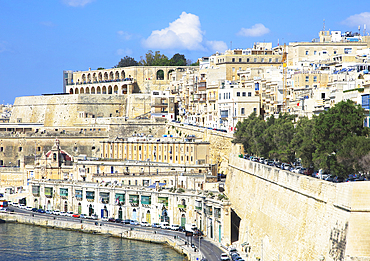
{"x": 153, "y": 144}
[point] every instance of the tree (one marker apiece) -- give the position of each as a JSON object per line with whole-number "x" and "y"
{"x": 332, "y": 128}
{"x": 302, "y": 142}
{"x": 178, "y": 60}
{"x": 127, "y": 61}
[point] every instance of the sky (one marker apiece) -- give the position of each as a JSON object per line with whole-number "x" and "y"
{"x": 41, "y": 38}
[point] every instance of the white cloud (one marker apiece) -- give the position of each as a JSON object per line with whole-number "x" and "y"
{"x": 183, "y": 33}
{"x": 77, "y": 3}
{"x": 254, "y": 31}
{"x": 124, "y": 35}
{"x": 216, "y": 46}
{"x": 358, "y": 19}
{"x": 125, "y": 51}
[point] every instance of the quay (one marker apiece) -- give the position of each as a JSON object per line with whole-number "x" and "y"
{"x": 96, "y": 227}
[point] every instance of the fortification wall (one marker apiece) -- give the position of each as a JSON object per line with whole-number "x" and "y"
{"x": 79, "y": 109}
{"x": 288, "y": 216}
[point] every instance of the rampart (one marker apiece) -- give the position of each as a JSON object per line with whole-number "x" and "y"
{"x": 288, "y": 216}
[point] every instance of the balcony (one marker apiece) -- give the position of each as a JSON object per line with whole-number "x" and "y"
{"x": 128, "y": 80}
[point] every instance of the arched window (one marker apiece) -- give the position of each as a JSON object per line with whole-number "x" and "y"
{"x": 89, "y": 77}
{"x": 111, "y": 76}
{"x": 83, "y": 78}
{"x": 76, "y": 91}
{"x": 169, "y": 72}
{"x": 98, "y": 90}
{"x": 123, "y": 74}
{"x": 109, "y": 89}
{"x": 116, "y": 76}
{"x": 115, "y": 89}
{"x": 94, "y": 78}
{"x": 87, "y": 90}
{"x": 82, "y": 90}
{"x": 100, "y": 77}
{"x": 105, "y": 76}
{"x": 104, "y": 90}
{"x": 160, "y": 75}
{"x": 92, "y": 90}
{"x": 71, "y": 91}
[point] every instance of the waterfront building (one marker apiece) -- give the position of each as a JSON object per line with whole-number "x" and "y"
{"x": 209, "y": 211}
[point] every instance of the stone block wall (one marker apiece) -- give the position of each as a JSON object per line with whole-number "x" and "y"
{"x": 288, "y": 216}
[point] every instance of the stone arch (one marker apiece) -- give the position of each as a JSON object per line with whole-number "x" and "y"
{"x": 89, "y": 77}
{"x": 94, "y": 77}
{"x": 115, "y": 89}
{"x": 111, "y": 76}
{"x": 92, "y": 90}
{"x": 83, "y": 78}
{"x": 160, "y": 74}
{"x": 123, "y": 75}
{"x": 87, "y": 90}
{"x": 169, "y": 72}
{"x": 76, "y": 91}
{"x": 116, "y": 75}
{"x": 104, "y": 90}
{"x": 100, "y": 77}
{"x": 71, "y": 91}
{"x": 109, "y": 89}
{"x": 124, "y": 89}
{"x": 82, "y": 90}
{"x": 98, "y": 90}
{"x": 106, "y": 76}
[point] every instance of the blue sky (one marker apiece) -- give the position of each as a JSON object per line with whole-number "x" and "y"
{"x": 40, "y": 39}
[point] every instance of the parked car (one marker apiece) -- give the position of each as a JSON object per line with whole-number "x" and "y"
{"x": 22, "y": 206}
{"x": 29, "y": 208}
{"x": 76, "y": 215}
{"x": 134, "y": 222}
{"x": 308, "y": 171}
{"x": 62, "y": 213}
{"x": 285, "y": 166}
{"x": 34, "y": 209}
{"x": 83, "y": 216}
{"x": 156, "y": 225}
{"x": 118, "y": 220}
{"x": 48, "y": 211}
{"x": 165, "y": 225}
{"x": 224, "y": 257}
{"x": 56, "y": 212}
{"x": 145, "y": 224}
{"x": 70, "y": 214}
{"x": 94, "y": 216}
{"x": 40, "y": 210}
{"x": 174, "y": 227}
{"x": 111, "y": 219}
{"x": 246, "y": 156}
{"x": 126, "y": 221}
{"x": 104, "y": 219}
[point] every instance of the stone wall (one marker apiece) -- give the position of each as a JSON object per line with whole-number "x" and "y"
{"x": 288, "y": 216}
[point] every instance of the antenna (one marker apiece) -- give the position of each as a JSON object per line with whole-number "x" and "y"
{"x": 364, "y": 29}
{"x": 359, "y": 29}
{"x": 323, "y": 25}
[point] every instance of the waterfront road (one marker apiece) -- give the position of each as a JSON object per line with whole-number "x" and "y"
{"x": 210, "y": 251}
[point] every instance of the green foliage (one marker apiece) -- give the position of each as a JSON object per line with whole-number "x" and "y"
{"x": 100, "y": 68}
{"x": 127, "y": 61}
{"x": 180, "y": 190}
{"x": 334, "y": 140}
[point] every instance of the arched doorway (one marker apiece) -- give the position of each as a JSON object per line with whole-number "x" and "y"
{"x": 36, "y": 203}
{"x": 104, "y": 212}
{"x": 65, "y": 206}
{"x": 183, "y": 220}
{"x": 120, "y": 213}
{"x": 148, "y": 217}
{"x": 134, "y": 214}
{"x": 91, "y": 210}
{"x": 79, "y": 208}
{"x": 71, "y": 91}
{"x": 164, "y": 216}
{"x": 48, "y": 205}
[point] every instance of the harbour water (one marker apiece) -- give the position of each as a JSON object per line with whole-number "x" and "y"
{"x": 26, "y": 242}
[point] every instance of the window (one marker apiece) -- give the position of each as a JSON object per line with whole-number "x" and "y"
{"x": 233, "y": 60}
{"x": 335, "y": 52}
{"x": 247, "y": 60}
{"x": 306, "y": 52}
{"x": 307, "y": 78}
{"x": 242, "y": 111}
{"x": 255, "y": 109}
{"x": 1, "y": 149}
{"x": 20, "y": 149}
{"x": 219, "y": 96}
{"x": 249, "y": 94}
{"x": 307, "y": 86}
{"x": 255, "y": 60}
{"x": 262, "y": 60}
{"x": 244, "y": 94}
{"x": 270, "y": 60}
{"x": 315, "y": 78}
{"x": 233, "y": 69}
{"x": 277, "y": 60}
{"x": 324, "y": 52}
{"x": 314, "y": 52}
{"x": 240, "y": 60}
{"x": 347, "y": 50}
{"x": 322, "y": 95}
{"x": 238, "y": 94}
